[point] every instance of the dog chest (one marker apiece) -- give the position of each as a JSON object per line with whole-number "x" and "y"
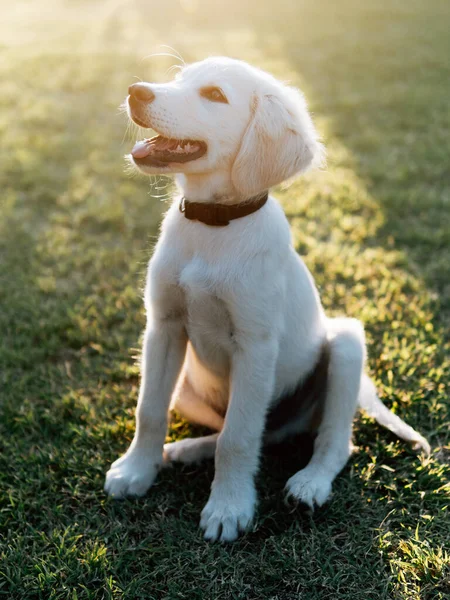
{"x": 208, "y": 320}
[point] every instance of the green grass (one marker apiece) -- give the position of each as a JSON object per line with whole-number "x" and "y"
{"x": 76, "y": 232}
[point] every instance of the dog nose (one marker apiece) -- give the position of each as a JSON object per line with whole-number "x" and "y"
{"x": 142, "y": 92}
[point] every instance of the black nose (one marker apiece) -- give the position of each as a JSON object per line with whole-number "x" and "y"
{"x": 142, "y": 92}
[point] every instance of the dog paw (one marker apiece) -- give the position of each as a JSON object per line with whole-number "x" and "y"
{"x": 184, "y": 451}
{"x": 131, "y": 475}
{"x": 225, "y": 515}
{"x": 309, "y": 486}
{"x": 187, "y": 451}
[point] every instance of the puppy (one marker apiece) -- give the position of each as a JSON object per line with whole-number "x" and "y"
{"x": 236, "y": 336}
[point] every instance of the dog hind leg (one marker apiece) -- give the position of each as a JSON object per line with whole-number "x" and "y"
{"x": 332, "y": 447}
{"x": 191, "y": 450}
{"x": 193, "y": 408}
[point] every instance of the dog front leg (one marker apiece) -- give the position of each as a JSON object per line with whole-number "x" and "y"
{"x": 231, "y": 505}
{"x": 163, "y": 354}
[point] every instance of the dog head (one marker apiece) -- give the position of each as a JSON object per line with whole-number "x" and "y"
{"x": 223, "y": 115}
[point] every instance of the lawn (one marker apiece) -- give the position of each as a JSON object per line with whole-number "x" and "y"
{"x": 76, "y": 232}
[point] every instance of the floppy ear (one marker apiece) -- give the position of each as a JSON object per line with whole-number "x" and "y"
{"x": 280, "y": 141}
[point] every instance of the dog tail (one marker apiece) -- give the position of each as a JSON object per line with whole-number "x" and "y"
{"x": 374, "y": 407}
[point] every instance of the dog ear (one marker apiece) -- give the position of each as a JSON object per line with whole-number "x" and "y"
{"x": 280, "y": 142}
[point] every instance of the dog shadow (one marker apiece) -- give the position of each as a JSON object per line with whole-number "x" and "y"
{"x": 278, "y": 463}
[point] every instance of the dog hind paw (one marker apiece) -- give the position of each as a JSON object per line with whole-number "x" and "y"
{"x": 188, "y": 451}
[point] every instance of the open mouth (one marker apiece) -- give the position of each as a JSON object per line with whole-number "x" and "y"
{"x": 159, "y": 151}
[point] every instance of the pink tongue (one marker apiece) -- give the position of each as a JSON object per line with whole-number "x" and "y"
{"x": 141, "y": 149}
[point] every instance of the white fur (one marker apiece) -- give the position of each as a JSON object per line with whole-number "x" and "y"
{"x": 233, "y": 313}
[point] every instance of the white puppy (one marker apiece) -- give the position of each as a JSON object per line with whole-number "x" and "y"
{"x": 236, "y": 335}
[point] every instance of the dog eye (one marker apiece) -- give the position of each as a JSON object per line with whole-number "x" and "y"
{"x": 213, "y": 94}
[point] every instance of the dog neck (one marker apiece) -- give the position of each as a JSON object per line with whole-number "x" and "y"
{"x": 208, "y": 187}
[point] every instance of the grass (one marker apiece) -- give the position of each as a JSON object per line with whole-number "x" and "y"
{"x": 76, "y": 232}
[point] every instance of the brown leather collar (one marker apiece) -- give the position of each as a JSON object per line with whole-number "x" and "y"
{"x": 219, "y": 215}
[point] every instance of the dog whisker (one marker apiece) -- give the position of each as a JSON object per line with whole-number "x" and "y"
{"x": 159, "y": 54}
{"x": 175, "y": 52}
{"x": 173, "y": 68}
